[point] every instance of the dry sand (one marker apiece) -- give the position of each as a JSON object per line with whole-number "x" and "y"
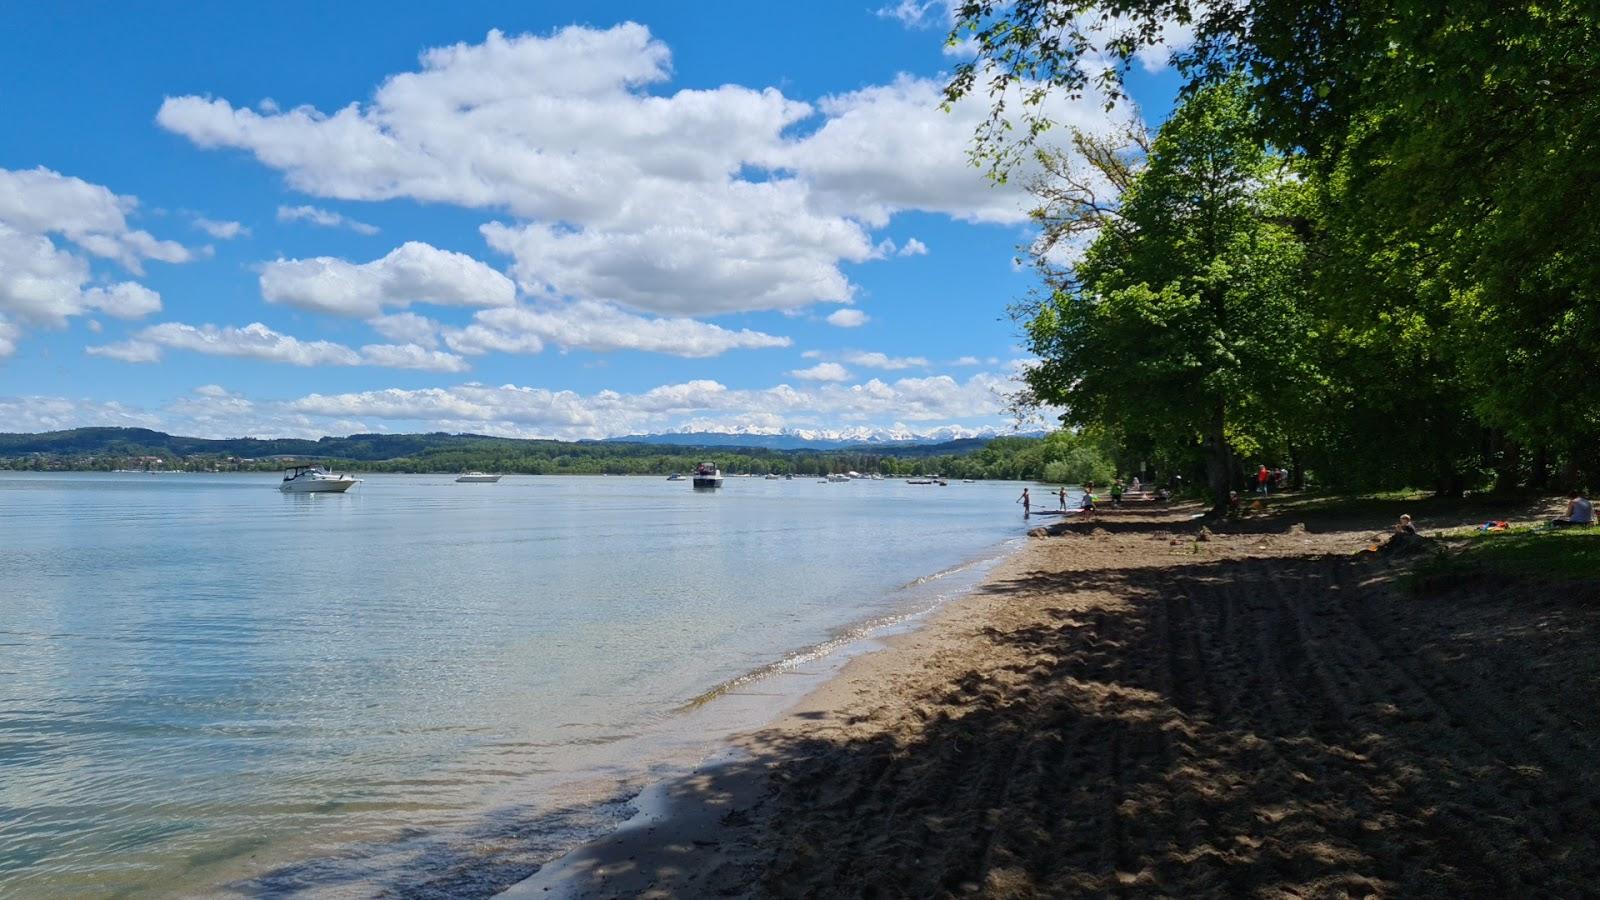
{"x": 1125, "y": 710}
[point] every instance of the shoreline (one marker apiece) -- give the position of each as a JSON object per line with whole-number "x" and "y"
{"x": 696, "y": 823}
{"x": 1132, "y": 702}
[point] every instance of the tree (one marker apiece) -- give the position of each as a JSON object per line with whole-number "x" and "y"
{"x": 1186, "y": 317}
{"x": 1456, "y": 146}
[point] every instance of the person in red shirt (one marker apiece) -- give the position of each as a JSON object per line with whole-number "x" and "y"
{"x": 1263, "y": 480}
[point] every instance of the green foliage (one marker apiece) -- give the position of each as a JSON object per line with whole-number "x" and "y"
{"x": 1187, "y": 319}
{"x": 1445, "y": 158}
{"x": 1081, "y": 465}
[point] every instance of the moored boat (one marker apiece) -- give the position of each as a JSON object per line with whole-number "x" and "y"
{"x": 315, "y": 480}
{"x": 707, "y": 477}
{"x": 477, "y": 478}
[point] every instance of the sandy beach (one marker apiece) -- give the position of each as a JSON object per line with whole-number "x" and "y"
{"x": 1130, "y": 707}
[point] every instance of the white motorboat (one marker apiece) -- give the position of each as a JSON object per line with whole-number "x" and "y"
{"x": 477, "y": 478}
{"x": 838, "y": 478}
{"x": 707, "y": 477}
{"x": 315, "y": 480}
{"x": 772, "y": 476}
{"x": 677, "y": 476}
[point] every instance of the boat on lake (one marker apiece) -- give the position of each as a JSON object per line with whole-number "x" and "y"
{"x": 477, "y": 478}
{"x": 315, "y": 480}
{"x": 677, "y": 476}
{"x": 772, "y": 476}
{"x": 707, "y": 477}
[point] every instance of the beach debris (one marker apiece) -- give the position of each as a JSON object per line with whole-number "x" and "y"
{"x": 1038, "y": 532}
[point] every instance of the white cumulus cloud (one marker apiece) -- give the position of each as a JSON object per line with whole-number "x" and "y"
{"x": 259, "y": 342}
{"x": 883, "y": 361}
{"x": 599, "y": 327}
{"x": 407, "y": 327}
{"x": 827, "y": 371}
{"x": 682, "y": 203}
{"x": 221, "y": 230}
{"x": 44, "y": 283}
{"x": 847, "y": 318}
{"x": 414, "y": 272}
{"x": 325, "y": 217}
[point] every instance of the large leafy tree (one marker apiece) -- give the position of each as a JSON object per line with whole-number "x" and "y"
{"x": 1457, "y": 146}
{"x": 1185, "y": 318}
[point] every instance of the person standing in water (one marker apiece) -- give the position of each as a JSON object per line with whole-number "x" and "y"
{"x": 1061, "y": 495}
{"x": 1024, "y": 501}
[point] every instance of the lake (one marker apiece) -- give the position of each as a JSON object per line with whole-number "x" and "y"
{"x": 207, "y": 685}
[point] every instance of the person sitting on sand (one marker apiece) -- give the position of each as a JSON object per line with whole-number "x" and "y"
{"x": 1087, "y": 503}
{"x": 1580, "y": 511}
{"x": 1404, "y": 526}
{"x": 1162, "y": 496}
{"x": 1233, "y": 503}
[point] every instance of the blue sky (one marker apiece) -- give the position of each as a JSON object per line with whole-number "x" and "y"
{"x": 557, "y": 221}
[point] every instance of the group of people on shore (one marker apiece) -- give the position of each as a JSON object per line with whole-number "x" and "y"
{"x": 1268, "y": 480}
{"x": 1088, "y": 501}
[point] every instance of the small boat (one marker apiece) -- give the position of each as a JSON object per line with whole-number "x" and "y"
{"x": 919, "y": 481}
{"x": 837, "y": 478}
{"x": 772, "y": 476}
{"x": 707, "y": 477}
{"x": 476, "y": 478}
{"x": 789, "y": 476}
{"x": 677, "y": 476}
{"x": 315, "y": 480}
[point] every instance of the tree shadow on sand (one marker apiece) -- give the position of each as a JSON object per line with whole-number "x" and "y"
{"x": 1257, "y": 727}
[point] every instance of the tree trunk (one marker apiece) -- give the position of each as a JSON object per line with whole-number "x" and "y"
{"x": 1219, "y": 461}
{"x": 1508, "y": 464}
{"x": 1297, "y": 472}
{"x": 1540, "y": 479}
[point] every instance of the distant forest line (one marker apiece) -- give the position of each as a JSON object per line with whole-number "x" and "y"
{"x": 109, "y": 449}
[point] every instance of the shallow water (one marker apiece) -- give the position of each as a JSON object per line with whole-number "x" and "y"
{"x": 204, "y": 681}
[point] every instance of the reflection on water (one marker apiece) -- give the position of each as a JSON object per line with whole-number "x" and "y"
{"x": 202, "y": 677}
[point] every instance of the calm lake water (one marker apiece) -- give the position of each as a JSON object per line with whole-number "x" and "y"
{"x": 209, "y": 686}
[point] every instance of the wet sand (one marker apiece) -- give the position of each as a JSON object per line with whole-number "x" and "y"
{"x": 1122, "y": 709}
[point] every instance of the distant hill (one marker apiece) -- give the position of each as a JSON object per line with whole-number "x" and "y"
{"x": 448, "y": 449}
{"x": 144, "y": 442}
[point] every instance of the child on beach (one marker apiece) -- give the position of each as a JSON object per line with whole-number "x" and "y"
{"x": 1025, "y": 502}
{"x": 1116, "y": 493}
{"x": 1404, "y": 526}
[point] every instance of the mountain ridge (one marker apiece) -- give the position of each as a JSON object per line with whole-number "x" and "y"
{"x": 135, "y": 442}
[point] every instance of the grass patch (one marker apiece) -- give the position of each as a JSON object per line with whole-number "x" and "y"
{"x": 1530, "y": 551}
